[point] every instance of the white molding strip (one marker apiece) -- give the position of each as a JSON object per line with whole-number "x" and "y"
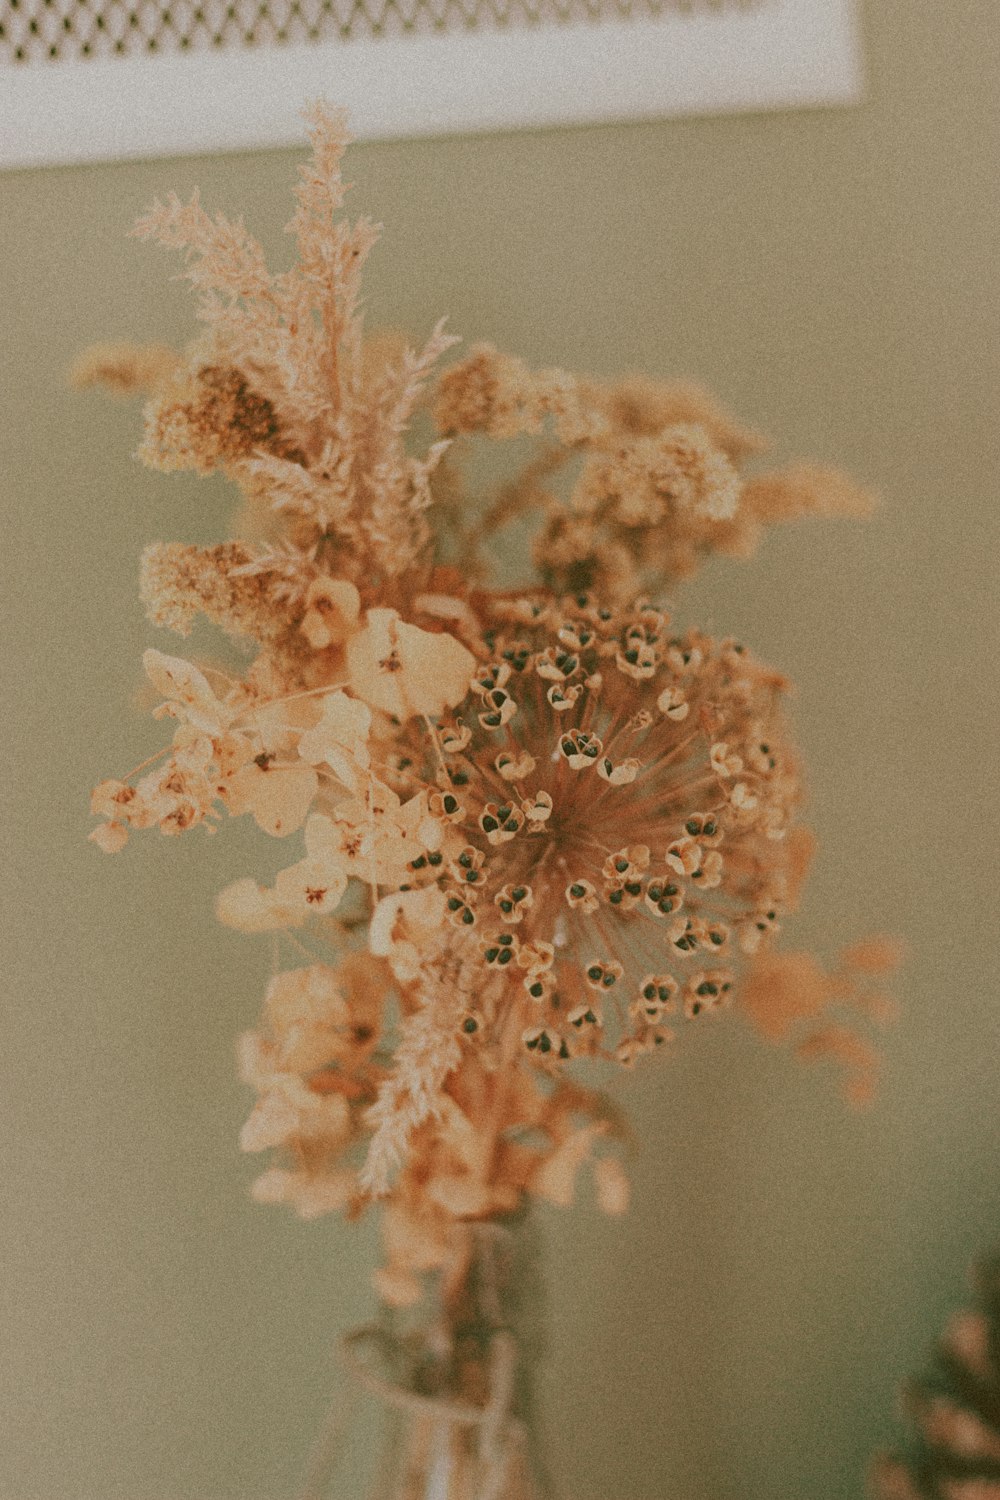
{"x": 785, "y": 53}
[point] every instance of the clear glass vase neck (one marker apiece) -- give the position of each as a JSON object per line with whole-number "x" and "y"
{"x": 454, "y": 1380}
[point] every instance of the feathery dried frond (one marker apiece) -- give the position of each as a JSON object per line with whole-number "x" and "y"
{"x": 221, "y": 255}
{"x": 428, "y": 1050}
{"x": 282, "y": 394}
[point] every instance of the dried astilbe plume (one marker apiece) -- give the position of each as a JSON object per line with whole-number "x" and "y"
{"x": 535, "y": 827}
{"x": 633, "y": 483}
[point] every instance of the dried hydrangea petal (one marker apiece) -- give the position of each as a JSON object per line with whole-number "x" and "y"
{"x": 403, "y": 670}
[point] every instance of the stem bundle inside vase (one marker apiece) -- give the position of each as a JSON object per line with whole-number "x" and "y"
{"x": 535, "y": 830}
{"x": 457, "y": 1377}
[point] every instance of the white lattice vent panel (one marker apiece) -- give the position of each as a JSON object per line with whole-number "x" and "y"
{"x": 89, "y": 79}
{"x": 37, "y": 30}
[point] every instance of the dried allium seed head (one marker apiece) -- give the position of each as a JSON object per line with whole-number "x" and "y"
{"x": 599, "y": 836}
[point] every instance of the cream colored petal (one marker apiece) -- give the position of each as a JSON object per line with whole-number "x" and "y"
{"x": 315, "y": 885}
{"x": 111, "y": 837}
{"x": 322, "y": 836}
{"x": 332, "y": 609}
{"x": 109, "y": 798}
{"x": 272, "y": 1121}
{"x": 250, "y": 907}
{"x": 555, "y": 1179}
{"x": 404, "y": 670}
{"x": 438, "y": 669}
{"x": 612, "y": 1185}
{"x": 340, "y": 738}
{"x": 405, "y": 915}
{"x": 415, "y": 830}
{"x": 310, "y": 993}
{"x": 186, "y": 689}
{"x": 462, "y": 1139}
{"x": 327, "y": 1194}
{"x": 396, "y": 1288}
{"x": 278, "y": 797}
{"x": 273, "y": 1186}
{"x": 459, "y": 1195}
{"x": 253, "y": 1059}
{"x": 375, "y": 663}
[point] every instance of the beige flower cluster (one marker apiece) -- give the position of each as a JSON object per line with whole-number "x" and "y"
{"x": 636, "y": 481}
{"x": 531, "y": 826}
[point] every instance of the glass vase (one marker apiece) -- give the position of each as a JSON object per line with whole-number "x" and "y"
{"x": 450, "y": 1386}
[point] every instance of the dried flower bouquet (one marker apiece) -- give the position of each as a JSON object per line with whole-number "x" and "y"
{"x": 541, "y": 825}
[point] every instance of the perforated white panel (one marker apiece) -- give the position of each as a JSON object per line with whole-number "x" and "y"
{"x": 40, "y": 30}
{"x": 85, "y": 79}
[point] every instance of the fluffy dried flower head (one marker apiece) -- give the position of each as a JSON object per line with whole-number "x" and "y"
{"x": 654, "y": 475}
{"x": 210, "y": 418}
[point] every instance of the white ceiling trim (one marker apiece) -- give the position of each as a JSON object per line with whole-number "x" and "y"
{"x": 786, "y": 53}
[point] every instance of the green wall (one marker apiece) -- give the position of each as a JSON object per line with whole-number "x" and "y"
{"x": 832, "y": 275}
